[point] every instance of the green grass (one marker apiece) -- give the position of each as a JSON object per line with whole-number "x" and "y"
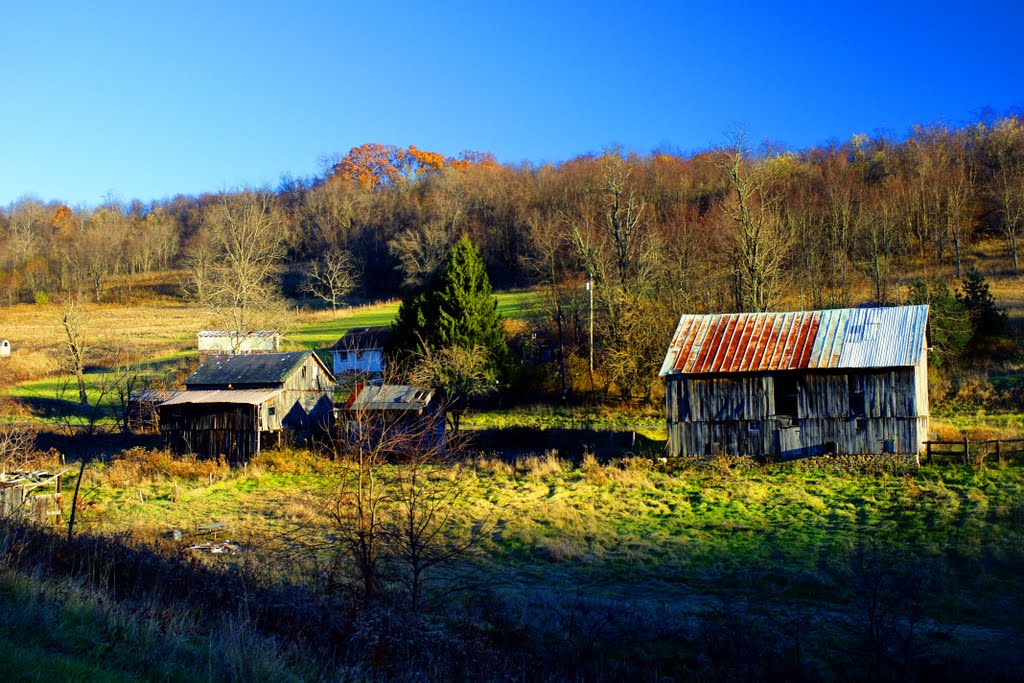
{"x": 609, "y": 519}
{"x": 676, "y": 539}
{"x": 514, "y": 304}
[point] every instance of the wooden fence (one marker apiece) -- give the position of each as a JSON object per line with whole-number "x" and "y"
{"x": 967, "y": 451}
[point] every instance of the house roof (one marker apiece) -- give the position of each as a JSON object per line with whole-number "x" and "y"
{"x": 399, "y": 397}
{"x": 364, "y": 338}
{"x": 838, "y": 338}
{"x": 252, "y": 397}
{"x": 263, "y": 368}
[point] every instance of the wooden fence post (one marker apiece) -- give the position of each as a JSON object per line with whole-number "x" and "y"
{"x": 999, "y": 453}
{"x": 967, "y": 452}
{"x": 928, "y": 452}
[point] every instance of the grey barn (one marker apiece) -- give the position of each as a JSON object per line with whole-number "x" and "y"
{"x": 784, "y": 385}
{"x": 236, "y": 405}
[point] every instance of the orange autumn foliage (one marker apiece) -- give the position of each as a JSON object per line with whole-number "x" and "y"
{"x": 375, "y": 166}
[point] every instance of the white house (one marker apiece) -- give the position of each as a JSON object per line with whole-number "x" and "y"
{"x": 361, "y": 350}
{"x": 5, "y": 347}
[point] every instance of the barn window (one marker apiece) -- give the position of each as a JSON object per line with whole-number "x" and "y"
{"x": 856, "y": 402}
{"x": 303, "y": 371}
{"x": 753, "y": 428}
{"x": 786, "y": 395}
{"x": 862, "y": 424}
{"x": 271, "y": 411}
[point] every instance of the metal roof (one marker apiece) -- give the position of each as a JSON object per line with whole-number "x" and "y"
{"x": 262, "y": 368}
{"x": 252, "y": 397}
{"x": 838, "y": 338}
{"x": 389, "y": 397}
{"x": 234, "y": 333}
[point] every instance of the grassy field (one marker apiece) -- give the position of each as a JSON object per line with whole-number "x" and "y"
{"x": 625, "y": 552}
{"x": 159, "y": 337}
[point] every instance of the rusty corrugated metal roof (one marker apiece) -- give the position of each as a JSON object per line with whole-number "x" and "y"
{"x": 756, "y": 342}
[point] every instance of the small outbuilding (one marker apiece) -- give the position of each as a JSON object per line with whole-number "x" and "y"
{"x": 233, "y": 341}
{"x": 785, "y": 385}
{"x": 5, "y": 348}
{"x": 235, "y": 405}
{"x": 361, "y": 351}
{"x": 396, "y": 418}
{"x": 33, "y": 495}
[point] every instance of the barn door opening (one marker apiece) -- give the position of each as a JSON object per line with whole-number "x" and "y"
{"x": 786, "y": 395}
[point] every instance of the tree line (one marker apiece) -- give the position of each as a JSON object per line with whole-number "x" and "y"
{"x": 725, "y": 229}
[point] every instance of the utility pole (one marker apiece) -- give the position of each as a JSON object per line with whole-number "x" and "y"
{"x": 590, "y": 288}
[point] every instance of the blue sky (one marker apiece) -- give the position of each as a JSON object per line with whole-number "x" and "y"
{"x": 147, "y": 100}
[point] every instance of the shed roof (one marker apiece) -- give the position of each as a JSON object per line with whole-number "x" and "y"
{"x": 364, "y": 338}
{"x": 252, "y": 397}
{"x": 399, "y": 397}
{"x": 838, "y": 338}
{"x": 263, "y": 368}
{"x": 235, "y": 333}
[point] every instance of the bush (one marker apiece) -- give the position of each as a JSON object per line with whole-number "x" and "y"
{"x": 41, "y": 298}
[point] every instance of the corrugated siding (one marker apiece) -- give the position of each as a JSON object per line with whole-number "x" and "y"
{"x": 840, "y": 338}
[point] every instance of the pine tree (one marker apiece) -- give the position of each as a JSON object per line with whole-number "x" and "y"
{"x": 455, "y": 309}
{"x": 989, "y": 320}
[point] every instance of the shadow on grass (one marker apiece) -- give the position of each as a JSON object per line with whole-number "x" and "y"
{"x": 572, "y": 444}
{"x": 81, "y": 444}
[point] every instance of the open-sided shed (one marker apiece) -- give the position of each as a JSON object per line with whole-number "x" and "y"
{"x": 236, "y": 405}
{"x": 851, "y": 380}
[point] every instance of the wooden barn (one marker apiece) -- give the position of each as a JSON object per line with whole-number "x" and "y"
{"x": 395, "y": 418}
{"x": 785, "y": 385}
{"x": 236, "y": 405}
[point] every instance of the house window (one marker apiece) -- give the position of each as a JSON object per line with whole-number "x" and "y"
{"x": 342, "y": 356}
{"x": 786, "y": 395}
{"x": 271, "y": 411}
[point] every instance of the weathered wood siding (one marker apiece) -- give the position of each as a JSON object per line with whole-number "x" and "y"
{"x": 211, "y": 430}
{"x": 737, "y": 414}
{"x": 307, "y": 402}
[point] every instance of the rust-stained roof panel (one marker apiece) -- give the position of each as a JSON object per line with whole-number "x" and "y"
{"x": 757, "y": 342}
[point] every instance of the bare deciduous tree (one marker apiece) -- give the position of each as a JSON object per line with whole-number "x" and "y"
{"x": 762, "y": 244}
{"x": 330, "y": 277}
{"x": 241, "y": 256}
{"x": 75, "y": 344}
{"x": 393, "y": 506}
{"x": 458, "y": 373}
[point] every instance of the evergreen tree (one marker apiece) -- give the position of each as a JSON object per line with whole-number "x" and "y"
{"x": 949, "y": 321}
{"x": 455, "y": 309}
{"x": 989, "y": 320}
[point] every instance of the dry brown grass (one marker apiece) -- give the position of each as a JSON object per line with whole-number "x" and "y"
{"x": 138, "y": 466}
{"x": 538, "y": 467}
